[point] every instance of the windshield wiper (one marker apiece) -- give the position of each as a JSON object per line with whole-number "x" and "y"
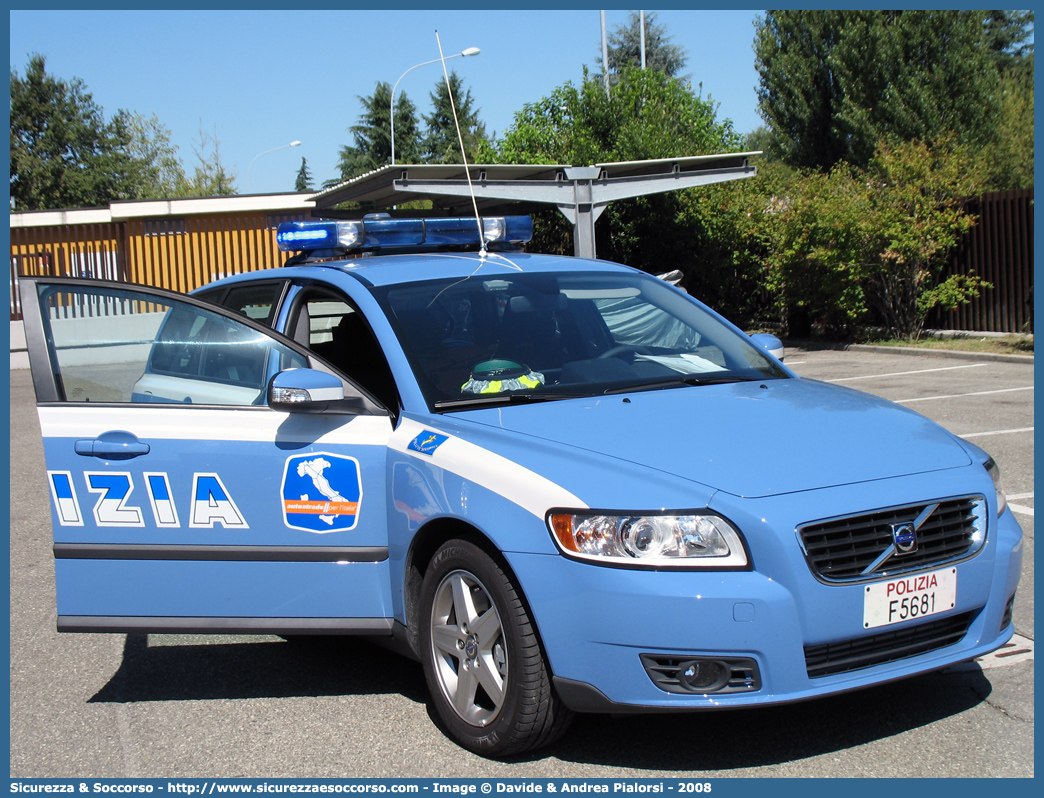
{"x": 680, "y": 382}
{"x": 492, "y": 400}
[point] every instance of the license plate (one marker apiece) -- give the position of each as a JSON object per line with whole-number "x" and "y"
{"x": 909, "y": 597}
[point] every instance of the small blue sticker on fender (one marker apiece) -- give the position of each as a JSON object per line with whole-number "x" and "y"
{"x": 427, "y": 442}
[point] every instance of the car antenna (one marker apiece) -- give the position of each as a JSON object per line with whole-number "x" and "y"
{"x": 463, "y": 155}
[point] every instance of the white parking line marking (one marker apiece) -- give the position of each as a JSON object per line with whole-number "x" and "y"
{"x": 1020, "y": 496}
{"x": 996, "y": 432}
{"x": 1020, "y": 509}
{"x": 904, "y": 373}
{"x": 1018, "y": 649}
{"x": 959, "y": 395}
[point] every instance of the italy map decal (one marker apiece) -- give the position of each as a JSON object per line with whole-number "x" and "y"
{"x": 322, "y": 492}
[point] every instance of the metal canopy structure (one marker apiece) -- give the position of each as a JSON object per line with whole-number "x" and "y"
{"x": 581, "y": 193}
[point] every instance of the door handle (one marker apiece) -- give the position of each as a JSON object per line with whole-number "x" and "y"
{"x": 114, "y": 445}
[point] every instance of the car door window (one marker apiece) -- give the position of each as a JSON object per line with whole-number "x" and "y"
{"x": 110, "y": 345}
{"x": 336, "y": 331}
{"x": 257, "y": 301}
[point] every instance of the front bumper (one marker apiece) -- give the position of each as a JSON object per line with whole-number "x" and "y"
{"x": 596, "y": 623}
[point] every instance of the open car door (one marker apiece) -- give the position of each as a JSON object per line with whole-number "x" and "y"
{"x": 206, "y": 473}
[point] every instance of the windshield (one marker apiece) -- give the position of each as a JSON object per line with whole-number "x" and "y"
{"x": 534, "y": 337}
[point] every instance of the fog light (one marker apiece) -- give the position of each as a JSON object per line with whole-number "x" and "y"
{"x": 691, "y": 674}
{"x": 703, "y": 676}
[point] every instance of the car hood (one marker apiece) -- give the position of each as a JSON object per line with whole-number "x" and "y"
{"x": 749, "y": 439}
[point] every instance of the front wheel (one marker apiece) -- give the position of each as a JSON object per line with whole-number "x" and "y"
{"x": 482, "y": 659}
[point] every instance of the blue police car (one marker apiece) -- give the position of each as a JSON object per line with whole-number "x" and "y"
{"x": 563, "y": 485}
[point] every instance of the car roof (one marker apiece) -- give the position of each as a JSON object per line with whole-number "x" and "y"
{"x": 389, "y": 270}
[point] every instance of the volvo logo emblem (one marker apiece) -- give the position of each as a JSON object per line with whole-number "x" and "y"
{"x": 905, "y": 537}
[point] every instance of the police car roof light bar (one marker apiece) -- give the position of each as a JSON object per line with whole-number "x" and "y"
{"x": 383, "y": 232}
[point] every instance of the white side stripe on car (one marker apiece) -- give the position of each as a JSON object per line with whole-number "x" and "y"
{"x": 514, "y": 482}
{"x": 518, "y": 484}
{"x": 232, "y": 424}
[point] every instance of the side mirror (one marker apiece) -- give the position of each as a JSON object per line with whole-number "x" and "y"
{"x": 304, "y": 391}
{"x": 770, "y": 344}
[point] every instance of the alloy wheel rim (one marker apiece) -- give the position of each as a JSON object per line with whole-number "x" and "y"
{"x": 468, "y": 649}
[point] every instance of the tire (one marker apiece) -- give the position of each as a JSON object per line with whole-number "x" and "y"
{"x": 483, "y": 661}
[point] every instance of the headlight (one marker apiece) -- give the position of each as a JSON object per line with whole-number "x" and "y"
{"x": 679, "y": 541}
{"x": 994, "y": 471}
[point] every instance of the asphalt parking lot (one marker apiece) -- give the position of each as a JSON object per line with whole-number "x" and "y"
{"x": 227, "y": 706}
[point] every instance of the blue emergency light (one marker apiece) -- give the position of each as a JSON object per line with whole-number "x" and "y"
{"x": 380, "y": 231}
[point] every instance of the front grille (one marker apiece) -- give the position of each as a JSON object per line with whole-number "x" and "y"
{"x": 865, "y": 652}
{"x": 856, "y": 547}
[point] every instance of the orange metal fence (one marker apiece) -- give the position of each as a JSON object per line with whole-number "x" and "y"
{"x": 181, "y": 254}
{"x": 90, "y": 250}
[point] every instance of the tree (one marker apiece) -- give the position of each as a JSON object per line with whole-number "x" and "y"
{"x": 851, "y": 245}
{"x": 65, "y": 155}
{"x": 625, "y": 48}
{"x": 440, "y": 143}
{"x": 162, "y": 170}
{"x": 833, "y": 83}
{"x": 810, "y": 223}
{"x": 304, "y": 177}
{"x": 759, "y": 140}
{"x": 799, "y": 93}
{"x": 1009, "y": 162}
{"x": 646, "y": 115}
{"x": 63, "y": 152}
{"x": 210, "y": 178}
{"x": 1009, "y": 37}
{"x": 372, "y": 134}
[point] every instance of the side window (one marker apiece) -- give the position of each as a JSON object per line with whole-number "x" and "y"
{"x": 332, "y": 328}
{"x": 111, "y": 345}
{"x": 324, "y": 315}
{"x": 256, "y": 301}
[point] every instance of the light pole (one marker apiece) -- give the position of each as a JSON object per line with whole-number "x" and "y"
{"x": 283, "y": 147}
{"x": 469, "y": 51}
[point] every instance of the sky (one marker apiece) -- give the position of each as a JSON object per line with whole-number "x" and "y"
{"x": 257, "y": 80}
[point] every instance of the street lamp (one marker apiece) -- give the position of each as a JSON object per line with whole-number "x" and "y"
{"x": 274, "y": 149}
{"x": 469, "y": 51}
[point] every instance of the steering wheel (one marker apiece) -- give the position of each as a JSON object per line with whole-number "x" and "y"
{"x": 634, "y": 349}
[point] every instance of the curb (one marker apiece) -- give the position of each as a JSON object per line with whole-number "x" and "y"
{"x": 951, "y": 353}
